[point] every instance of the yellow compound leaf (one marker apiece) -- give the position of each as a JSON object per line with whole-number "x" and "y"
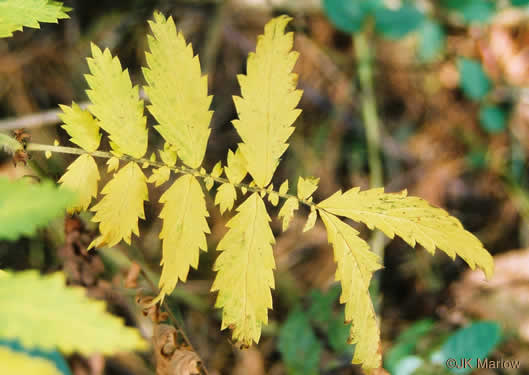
{"x": 183, "y": 232}
{"x": 245, "y": 271}
{"x": 81, "y": 177}
{"x": 217, "y": 170}
{"x": 225, "y": 198}
{"x": 178, "y": 91}
{"x": 307, "y": 186}
{"x": 414, "y": 220}
{"x": 287, "y": 211}
{"x": 81, "y": 126}
{"x": 121, "y": 206}
{"x": 355, "y": 266}
{"x": 59, "y": 317}
{"x": 311, "y": 220}
{"x": 116, "y": 104}
{"x": 159, "y": 176}
{"x": 236, "y": 168}
{"x": 13, "y": 362}
{"x": 267, "y": 106}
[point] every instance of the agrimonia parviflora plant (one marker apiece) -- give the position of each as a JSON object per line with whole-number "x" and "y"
{"x": 267, "y": 110}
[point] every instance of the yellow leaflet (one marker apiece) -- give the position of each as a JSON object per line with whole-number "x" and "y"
{"x": 283, "y": 189}
{"x": 287, "y": 211}
{"x": 14, "y": 14}
{"x": 267, "y": 106}
{"x": 116, "y": 104}
{"x": 60, "y": 317}
{"x": 178, "y": 91}
{"x": 121, "y": 206}
{"x": 355, "y": 266}
{"x": 81, "y": 177}
{"x": 226, "y": 195}
{"x": 184, "y": 224}
{"x": 307, "y": 186}
{"x": 20, "y": 363}
{"x": 159, "y": 176}
{"x": 81, "y": 126}
{"x": 236, "y": 168}
{"x": 168, "y": 155}
{"x": 113, "y": 164}
{"x": 273, "y": 197}
{"x": 245, "y": 271}
{"x": 412, "y": 219}
{"x": 217, "y": 170}
{"x": 311, "y": 220}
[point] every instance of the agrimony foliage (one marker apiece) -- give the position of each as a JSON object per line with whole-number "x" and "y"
{"x": 267, "y": 110}
{"x": 25, "y": 206}
{"x": 79, "y": 324}
{"x": 16, "y": 14}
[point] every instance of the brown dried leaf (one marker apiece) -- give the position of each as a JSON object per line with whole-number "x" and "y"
{"x": 173, "y": 358}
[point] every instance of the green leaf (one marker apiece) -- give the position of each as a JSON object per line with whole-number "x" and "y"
{"x": 299, "y": 346}
{"x": 520, "y": 3}
{"x": 349, "y": 16}
{"x": 338, "y": 333}
{"x": 473, "y": 80}
{"x": 321, "y": 307}
{"x": 493, "y": 119}
{"x": 396, "y": 24}
{"x": 15, "y": 14}
{"x": 475, "y": 341}
{"x": 479, "y": 11}
{"x": 407, "y": 365}
{"x": 432, "y": 40}
{"x": 25, "y": 206}
{"x": 405, "y": 343}
{"x": 41, "y": 311}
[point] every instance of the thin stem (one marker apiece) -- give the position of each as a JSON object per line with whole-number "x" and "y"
{"x": 364, "y": 54}
{"x": 156, "y": 164}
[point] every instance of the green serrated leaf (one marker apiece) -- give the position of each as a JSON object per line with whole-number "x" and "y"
{"x": 299, "y": 346}
{"x": 41, "y": 311}
{"x": 25, "y": 206}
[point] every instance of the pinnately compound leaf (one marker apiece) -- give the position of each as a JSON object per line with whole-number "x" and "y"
{"x": 184, "y": 215}
{"x": 178, "y": 91}
{"x": 116, "y": 103}
{"x": 15, "y": 362}
{"x": 267, "y": 106}
{"x": 121, "y": 206}
{"x": 60, "y": 317}
{"x": 355, "y": 266}
{"x": 245, "y": 271}
{"x": 412, "y": 219}
{"x": 25, "y": 206}
{"x": 81, "y": 177}
{"x": 81, "y": 126}
{"x": 15, "y": 14}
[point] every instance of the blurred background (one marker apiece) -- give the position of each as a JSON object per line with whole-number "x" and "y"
{"x": 424, "y": 95}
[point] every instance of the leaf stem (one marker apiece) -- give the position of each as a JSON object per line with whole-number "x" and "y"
{"x": 157, "y": 164}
